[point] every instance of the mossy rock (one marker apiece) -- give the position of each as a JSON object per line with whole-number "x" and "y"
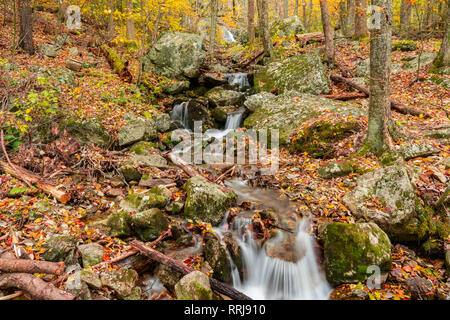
{"x": 137, "y": 129}
{"x": 122, "y": 281}
{"x": 194, "y": 286}
{"x": 143, "y": 147}
{"x": 60, "y": 248}
{"x": 335, "y": 169}
{"x": 404, "y": 45}
{"x": 130, "y": 172}
{"x": 91, "y": 254}
{"x": 119, "y": 224}
{"x": 140, "y": 202}
{"x": 149, "y": 224}
{"x": 287, "y": 27}
{"x": 317, "y": 139}
{"x": 216, "y": 255}
{"x": 88, "y": 131}
{"x": 350, "y": 249}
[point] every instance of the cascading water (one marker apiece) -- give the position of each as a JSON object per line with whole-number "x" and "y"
{"x": 240, "y": 79}
{"x": 180, "y": 114}
{"x": 273, "y": 278}
{"x": 227, "y": 35}
{"x": 234, "y": 119}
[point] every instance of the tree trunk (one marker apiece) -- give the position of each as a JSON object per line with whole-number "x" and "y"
{"x": 379, "y": 137}
{"x": 360, "y": 19}
{"x": 285, "y": 9}
{"x": 343, "y": 17}
{"x": 350, "y": 17}
{"x": 296, "y": 8}
{"x": 304, "y": 19}
{"x": 405, "y": 17}
{"x": 111, "y": 27}
{"x": 130, "y": 21}
{"x": 263, "y": 16}
{"x": 327, "y": 31}
{"x": 251, "y": 21}
{"x": 442, "y": 62}
{"x": 212, "y": 35}
{"x": 26, "y": 26}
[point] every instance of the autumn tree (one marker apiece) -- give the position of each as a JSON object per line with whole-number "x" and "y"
{"x": 26, "y": 26}
{"x": 263, "y": 17}
{"x": 360, "y": 19}
{"x": 442, "y": 62}
{"x": 130, "y": 21}
{"x": 405, "y": 17}
{"x": 328, "y": 31}
{"x": 379, "y": 137}
{"x": 212, "y": 36}
{"x": 251, "y": 21}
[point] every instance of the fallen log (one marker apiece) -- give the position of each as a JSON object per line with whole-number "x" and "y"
{"x": 216, "y": 285}
{"x": 37, "y": 288}
{"x": 245, "y": 64}
{"x": 345, "y": 96}
{"x": 400, "y": 108}
{"x": 183, "y": 165}
{"x": 117, "y": 63}
{"x": 31, "y": 266}
{"x": 30, "y": 178}
{"x": 307, "y": 38}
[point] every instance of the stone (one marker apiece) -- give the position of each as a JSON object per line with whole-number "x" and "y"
{"x": 426, "y": 58}
{"x": 177, "y": 87}
{"x": 421, "y": 289}
{"x": 440, "y": 81}
{"x": 87, "y": 132}
{"x": 130, "y": 172}
{"x": 91, "y": 254}
{"x": 206, "y": 201}
{"x": 334, "y": 169}
{"x": 48, "y": 50}
{"x": 212, "y": 79}
{"x": 152, "y": 160}
{"x": 220, "y": 114}
{"x": 119, "y": 224}
{"x": 140, "y": 202}
{"x": 447, "y": 259}
{"x": 176, "y": 55}
{"x": 350, "y": 249}
{"x": 162, "y": 122}
{"x": 287, "y": 27}
{"x": 149, "y": 224}
{"x": 404, "y": 45}
{"x": 401, "y": 215}
{"x": 194, "y": 286}
{"x": 415, "y": 150}
{"x": 62, "y": 39}
{"x": 303, "y": 73}
{"x": 62, "y": 76}
{"x": 363, "y": 68}
{"x": 75, "y": 285}
{"x": 439, "y": 134}
{"x": 222, "y": 97}
{"x": 73, "y": 51}
{"x": 60, "y": 248}
{"x": 90, "y": 278}
{"x": 122, "y": 281}
{"x": 219, "y": 68}
{"x": 137, "y": 129}
{"x": 143, "y": 148}
{"x": 216, "y": 255}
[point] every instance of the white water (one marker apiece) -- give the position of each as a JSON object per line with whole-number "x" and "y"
{"x": 240, "y": 79}
{"x": 180, "y": 113}
{"x": 234, "y": 119}
{"x": 270, "y": 278}
{"x": 227, "y": 35}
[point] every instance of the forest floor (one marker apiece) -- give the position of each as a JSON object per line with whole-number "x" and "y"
{"x": 101, "y": 94}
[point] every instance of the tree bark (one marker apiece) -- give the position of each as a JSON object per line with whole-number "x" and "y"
{"x": 111, "y": 27}
{"x": 285, "y": 9}
{"x": 360, "y": 19}
{"x": 216, "y": 285}
{"x": 296, "y": 8}
{"x": 327, "y": 31}
{"x": 212, "y": 35}
{"x": 343, "y": 17}
{"x": 130, "y": 21}
{"x": 350, "y": 17}
{"x": 251, "y": 21}
{"x": 442, "y": 60}
{"x": 26, "y": 27}
{"x": 36, "y": 287}
{"x": 405, "y": 17}
{"x": 379, "y": 137}
{"x": 31, "y": 266}
{"x": 263, "y": 16}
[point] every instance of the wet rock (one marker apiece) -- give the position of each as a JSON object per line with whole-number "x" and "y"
{"x": 176, "y": 55}
{"x": 206, "y": 201}
{"x": 122, "y": 281}
{"x": 137, "y": 129}
{"x": 287, "y": 27}
{"x": 220, "y": 114}
{"x": 60, "y": 248}
{"x": 119, "y": 224}
{"x": 216, "y": 255}
{"x": 421, "y": 289}
{"x": 149, "y": 224}
{"x": 284, "y": 247}
{"x": 334, "y": 169}
{"x": 140, "y": 202}
{"x": 162, "y": 122}
{"x": 168, "y": 277}
{"x": 212, "y": 79}
{"x": 222, "y": 97}
{"x": 88, "y": 132}
{"x": 415, "y": 150}
{"x": 194, "y": 286}
{"x": 401, "y": 215}
{"x": 91, "y": 254}
{"x": 234, "y": 250}
{"x": 303, "y": 73}
{"x": 350, "y": 249}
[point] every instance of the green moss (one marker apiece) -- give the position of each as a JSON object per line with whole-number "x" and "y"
{"x": 143, "y": 147}
{"x": 404, "y": 45}
{"x": 119, "y": 224}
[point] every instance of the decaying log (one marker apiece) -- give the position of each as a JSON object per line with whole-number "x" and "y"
{"x": 255, "y": 58}
{"x": 345, "y": 96}
{"x": 74, "y": 65}
{"x": 117, "y": 63}
{"x": 400, "y": 108}
{"x": 216, "y": 285}
{"x": 307, "y": 38}
{"x": 31, "y": 266}
{"x": 37, "y": 288}
{"x": 30, "y": 178}
{"x": 183, "y": 165}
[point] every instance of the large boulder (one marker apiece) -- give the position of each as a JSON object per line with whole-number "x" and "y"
{"x": 363, "y": 69}
{"x": 122, "y": 281}
{"x": 387, "y": 197}
{"x": 207, "y": 201}
{"x": 303, "y": 73}
{"x": 287, "y": 27}
{"x": 176, "y": 55}
{"x": 138, "y": 202}
{"x": 194, "y": 286}
{"x": 149, "y": 224}
{"x": 287, "y": 112}
{"x": 137, "y": 129}
{"x": 415, "y": 150}
{"x": 88, "y": 131}
{"x": 91, "y": 254}
{"x": 119, "y": 224}
{"x": 350, "y": 249}
{"x": 426, "y": 58}
{"x": 60, "y": 248}
{"x": 222, "y": 97}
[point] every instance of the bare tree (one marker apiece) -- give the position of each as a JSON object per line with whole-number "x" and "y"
{"x": 442, "y": 62}
{"x": 381, "y": 126}
{"x": 351, "y": 17}
{"x": 26, "y": 26}
{"x": 327, "y": 31}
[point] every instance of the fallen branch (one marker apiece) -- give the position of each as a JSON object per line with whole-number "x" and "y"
{"x": 216, "y": 285}
{"x": 400, "y": 108}
{"x": 37, "y": 288}
{"x": 11, "y": 296}
{"x": 30, "y": 178}
{"x": 252, "y": 59}
{"x": 31, "y": 266}
{"x": 183, "y": 165}
{"x": 345, "y": 96}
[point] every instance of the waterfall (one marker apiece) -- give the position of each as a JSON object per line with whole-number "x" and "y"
{"x": 234, "y": 119}
{"x": 240, "y": 79}
{"x": 180, "y": 113}
{"x": 227, "y": 35}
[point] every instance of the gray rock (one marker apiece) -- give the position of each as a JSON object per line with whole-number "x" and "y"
{"x": 303, "y": 73}
{"x": 74, "y": 51}
{"x": 439, "y": 134}
{"x": 62, "y": 76}
{"x": 402, "y": 214}
{"x": 415, "y": 150}
{"x": 287, "y": 27}
{"x": 88, "y": 132}
{"x": 216, "y": 255}
{"x": 152, "y": 160}
{"x": 60, "y": 248}
{"x": 137, "y": 129}
{"x": 62, "y": 39}
{"x": 426, "y": 58}
{"x": 363, "y": 68}
{"x": 334, "y": 169}
{"x": 122, "y": 281}
{"x": 219, "y": 68}
{"x": 162, "y": 122}
{"x": 48, "y": 50}
{"x": 75, "y": 285}
{"x": 149, "y": 224}
{"x": 222, "y": 97}
{"x": 194, "y": 286}
{"x": 421, "y": 289}
{"x": 91, "y": 279}
{"x": 177, "y": 87}
{"x": 206, "y": 201}
{"x": 91, "y": 254}
{"x": 350, "y": 249}
{"x": 140, "y": 202}
{"x": 119, "y": 224}
{"x": 130, "y": 172}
